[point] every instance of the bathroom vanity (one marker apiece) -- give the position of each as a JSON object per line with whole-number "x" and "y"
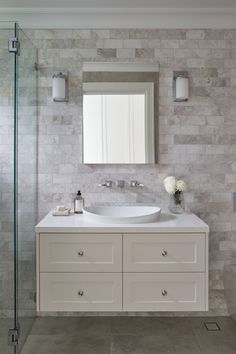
{"x": 90, "y": 266}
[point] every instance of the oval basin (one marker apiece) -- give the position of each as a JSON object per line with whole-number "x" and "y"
{"x": 123, "y": 214}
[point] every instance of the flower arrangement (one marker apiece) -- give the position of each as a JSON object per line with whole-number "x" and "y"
{"x": 175, "y": 189}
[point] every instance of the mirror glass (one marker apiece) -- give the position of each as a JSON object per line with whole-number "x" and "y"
{"x": 119, "y": 113}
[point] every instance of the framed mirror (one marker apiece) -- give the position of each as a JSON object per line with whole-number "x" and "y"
{"x": 119, "y": 113}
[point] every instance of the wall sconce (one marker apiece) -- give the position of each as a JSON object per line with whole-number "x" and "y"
{"x": 60, "y": 86}
{"x": 180, "y": 86}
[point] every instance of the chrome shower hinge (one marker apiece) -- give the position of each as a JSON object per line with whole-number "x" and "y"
{"x": 14, "y": 45}
{"x": 13, "y": 336}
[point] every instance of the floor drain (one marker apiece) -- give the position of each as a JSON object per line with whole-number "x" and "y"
{"x": 212, "y": 326}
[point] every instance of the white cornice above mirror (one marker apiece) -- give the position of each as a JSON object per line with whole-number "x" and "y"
{"x": 120, "y": 67}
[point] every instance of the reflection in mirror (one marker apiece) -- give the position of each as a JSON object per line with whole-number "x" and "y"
{"x": 119, "y": 114}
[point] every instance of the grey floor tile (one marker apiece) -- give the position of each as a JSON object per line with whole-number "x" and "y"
{"x": 178, "y": 326}
{"x": 137, "y": 326}
{"x": 72, "y": 325}
{"x": 217, "y": 345}
{"x": 151, "y": 326}
{"x": 130, "y": 335}
{"x": 141, "y": 345}
{"x": 185, "y": 345}
{"x": 42, "y": 344}
{"x": 61, "y": 344}
{"x": 88, "y": 345}
{"x": 25, "y": 329}
{"x": 227, "y": 326}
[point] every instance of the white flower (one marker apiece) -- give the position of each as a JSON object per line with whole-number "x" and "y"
{"x": 180, "y": 185}
{"x": 170, "y": 184}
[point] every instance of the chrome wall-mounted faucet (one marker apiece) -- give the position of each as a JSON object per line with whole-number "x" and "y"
{"x": 107, "y": 184}
{"x": 136, "y": 184}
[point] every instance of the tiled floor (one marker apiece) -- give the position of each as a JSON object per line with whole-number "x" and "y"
{"x": 130, "y": 335}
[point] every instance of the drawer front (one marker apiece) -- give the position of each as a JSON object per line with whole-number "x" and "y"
{"x": 80, "y": 292}
{"x": 164, "y": 252}
{"x": 164, "y": 292}
{"x": 80, "y": 253}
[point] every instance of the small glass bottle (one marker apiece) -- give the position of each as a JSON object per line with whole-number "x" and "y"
{"x": 78, "y": 203}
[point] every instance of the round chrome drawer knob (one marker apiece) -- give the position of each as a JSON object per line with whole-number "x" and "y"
{"x": 80, "y": 253}
{"x": 164, "y": 253}
{"x": 164, "y": 293}
{"x": 80, "y": 293}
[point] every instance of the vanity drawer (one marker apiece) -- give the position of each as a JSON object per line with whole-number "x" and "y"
{"x": 80, "y": 292}
{"x": 80, "y": 253}
{"x": 164, "y": 252}
{"x": 164, "y": 292}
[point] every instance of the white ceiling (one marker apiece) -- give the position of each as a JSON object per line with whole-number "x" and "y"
{"x": 118, "y": 4}
{"x": 120, "y": 13}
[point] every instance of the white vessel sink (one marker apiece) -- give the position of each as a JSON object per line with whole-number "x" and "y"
{"x": 123, "y": 214}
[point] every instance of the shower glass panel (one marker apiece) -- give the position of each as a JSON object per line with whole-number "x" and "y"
{"x": 7, "y": 103}
{"x": 18, "y": 133}
{"x": 27, "y": 182}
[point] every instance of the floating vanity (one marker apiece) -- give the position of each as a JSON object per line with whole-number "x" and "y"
{"x": 85, "y": 265}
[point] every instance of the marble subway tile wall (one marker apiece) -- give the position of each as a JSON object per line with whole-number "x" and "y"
{"x": 197, "y": 139}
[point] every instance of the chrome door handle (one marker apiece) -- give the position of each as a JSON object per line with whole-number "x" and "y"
{"x": 80, "y": 293}
{"x": 164, "y": 293}
{"x": 80, "y": 253}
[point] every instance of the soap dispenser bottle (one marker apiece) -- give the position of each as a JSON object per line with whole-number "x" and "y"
{"x": 78, "y": 203}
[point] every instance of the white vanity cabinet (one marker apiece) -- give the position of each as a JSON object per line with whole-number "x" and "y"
{"x": 159, "y": 252}
{"x": 80, "y": 272}
{"x": 79, "y": 253}
{"x": 164, "y": 272}
{"x": 148, "y": 267}
{"x": 80, "y": 292}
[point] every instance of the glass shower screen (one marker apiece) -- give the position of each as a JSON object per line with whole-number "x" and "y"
{"x": 18, "y": 187}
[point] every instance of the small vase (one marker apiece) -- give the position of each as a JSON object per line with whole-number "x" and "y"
{"x": 176, "y": 203}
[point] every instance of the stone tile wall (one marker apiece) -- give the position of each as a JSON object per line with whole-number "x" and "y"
{"x": 197, "y": 139}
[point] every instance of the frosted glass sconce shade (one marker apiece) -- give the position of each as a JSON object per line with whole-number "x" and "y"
{"x": 180, "y": 86}
{"x": 60, "y": 86}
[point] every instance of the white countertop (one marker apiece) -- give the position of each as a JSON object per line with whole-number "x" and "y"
{"x": 80, "y": 223}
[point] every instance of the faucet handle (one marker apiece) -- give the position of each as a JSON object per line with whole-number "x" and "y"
{"x": 107, "y": 184}
{"x": 134, "y": 183}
